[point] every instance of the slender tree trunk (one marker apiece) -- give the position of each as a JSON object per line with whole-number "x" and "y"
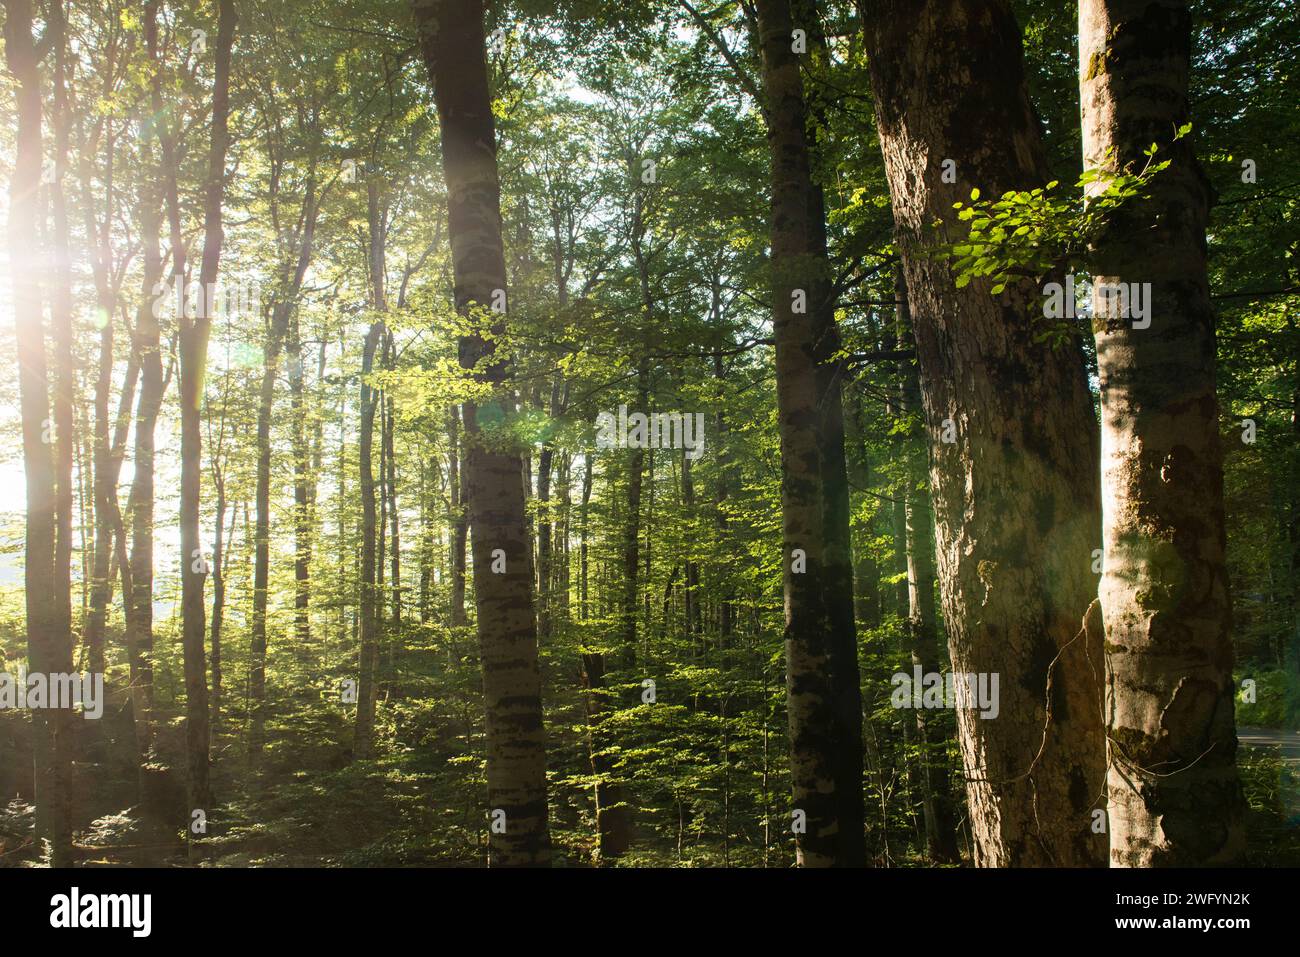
{"x": 726, "y": 606}
{"x": 692, "y": 585}
{"x": 452, "y": 40}
{"x": 140, "y": 502}
{"x": 866, "y": 572}
{"x": 193, "y": 369}
{"x": 584, "y": 520}
{"x": 363, "y": 746}
{"x": 1175, "y": 798}
{"x": 105, "y": 480}
{"x": 922, "y": 628}
{"x": 459, "y": 518}
{"x": 302, "y": 526}
{"x": 218, "y": 600}
{"x": 281, "y": 313}
{"x": 48, "y": 643}
{"x": 631, "y": 545}
{"x": 563, "y": 555}
{"x": 545, "y": 526}
{"x": 394, "y": 521}
{"x": 824, "y": 697}
{"x": 1014, "y": 455}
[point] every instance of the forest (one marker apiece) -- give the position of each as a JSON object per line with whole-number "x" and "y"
{"x": 650, "y": 434}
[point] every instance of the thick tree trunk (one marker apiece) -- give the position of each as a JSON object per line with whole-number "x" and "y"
{"x": 65, "y": 439}
{"x": 824, "y": 696}
{"x": 1016, "y": 492}
{"x": 613, "y": 817}
{"x": 1175, "y": 798}
{"x": 452, "y": 39}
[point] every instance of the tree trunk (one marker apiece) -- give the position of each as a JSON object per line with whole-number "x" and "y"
{"x": 48, "y": 643}
{"x": 545, "y": 526}
{"x": 395, "y": 555}
{"x": 824, "y": 697}
{"x": 584, "y": 517}
{"x": 726, "y": 606}
{"x": 363, "y": 746}
{"x": 281, "y": 312}
{"x": 692, "y": 584}
{"x": 140, "y": 502}
{"x": 866, "y": 571}
{"x": 1175, "y": 798}
{"x": 922, "y": 629}
{"x": 452, "y": 41}
{"x": 459, "y": 517}
{"x": 302, "y": 525}
{"x": 631, "y": 545}
{"x": 1016, "y": 490}
{"x": 218, "y": 601}
{"x": 193, "y": 369}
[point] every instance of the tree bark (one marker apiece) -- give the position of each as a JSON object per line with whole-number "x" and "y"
{"x": 363, "y": 746}
{"x": 452, "y": 41}
{"x": 1175, "y": 798}
{"x": 48, "y": 643}
{"x": 1016, "y": 491}
{"x": 194, "y": 336}
{"x": 823, "y": 693}
{"x": 281, "y": 312}
{"x": 147, "y": 346}
{"x": 459, "y": 518}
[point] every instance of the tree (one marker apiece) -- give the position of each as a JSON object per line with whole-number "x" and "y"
{"x": 194, "y": 333}
{"x": 49, "y": 645}
{"x": 820, "y": 636}
{"x": 453, "y": 44}
{"x": 1174, "y": 796}
{"x": 1013, "y": 437}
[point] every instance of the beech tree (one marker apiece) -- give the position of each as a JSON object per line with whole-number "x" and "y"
{"x": 49, "y": 645}
{"x": 453, "y": 45}
{"x": 1174, "y": 795}
{"x": 1012, "y": 434}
